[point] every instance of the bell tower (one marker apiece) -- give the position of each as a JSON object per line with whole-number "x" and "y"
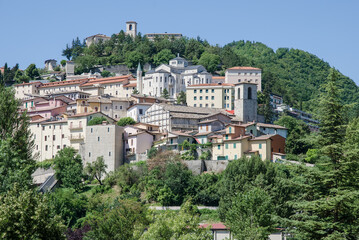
{"x": 245, "y": 101}
{"x": 131, "y": 28}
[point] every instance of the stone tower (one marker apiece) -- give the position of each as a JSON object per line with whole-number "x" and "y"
{"x": 131, "y": 28}
{"x": 139, "y": 78}
{"x": 245, "y": 101}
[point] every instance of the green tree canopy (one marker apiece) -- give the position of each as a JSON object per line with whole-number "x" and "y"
{"x": 209, "y": 61}
{"x": 126, "y": 121}
{"x": 68, "y": 168}
{"x": 164, "y": 56}
{"x": 96, "y": 169}
{"x": 165, "y": 93}
{"x": 32, "y": 72}
{"x": 97, "y": 121}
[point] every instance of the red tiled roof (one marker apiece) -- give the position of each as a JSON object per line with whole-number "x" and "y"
{"x": 243, "y": 68}
{"x": 131, "y": 85}
{"x": 28, "y": 83}
{"x": 218, "y": 77}
{"x": 107, "y": 80}
{"x": 214, "y": 226}
{"x": 64, "y": 83}
{"x": 230, "y": 111}
{"x": 211, "y": 85}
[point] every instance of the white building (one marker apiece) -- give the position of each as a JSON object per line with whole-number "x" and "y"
{"x": 174, "y": 77}
{"x": 138, "y": 110}
{"x": 27, "y": 90}
{"x": 244, "y": 74}
{"x": 96, "y": 39}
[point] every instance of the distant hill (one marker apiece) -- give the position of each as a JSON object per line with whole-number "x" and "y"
{"x": 298, "y": 75}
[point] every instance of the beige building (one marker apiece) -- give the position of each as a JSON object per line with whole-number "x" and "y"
{"x": 153, "y": 36}
{"x": 244, "y": 74}
{"x": 120, "y": 86}
{"x": 96, "y": 39}
{"x": 111, "y": 106}
{"x": 25, "y": 91}
{"x": 49, "y": 138}
{"x": 213, "y": 95}
{"x": 61, "y": 86}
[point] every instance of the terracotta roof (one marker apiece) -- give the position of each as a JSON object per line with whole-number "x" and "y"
{"x": 203, "y": 133}
{"x": 130, "y": 85}
{"x": 30, "y": 83}
{"x": 180, "y": 133}
{"x": 211, "y": 85}
{"x": 270, "y": 125}
{"x": 214, "y": 226}
{"x": 58, "y": 121}
{"x": 243, "y": 68}
{"x": 83, "y": 114}
{"x": 218, "y": 77}
{"x": 107, "y": 80}
{"x": 209, "y": 121}
{"x": 64, "y": 83}
{"x": 263, "y": 137}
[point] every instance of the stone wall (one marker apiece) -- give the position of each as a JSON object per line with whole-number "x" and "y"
{"x": 199, "y": 166}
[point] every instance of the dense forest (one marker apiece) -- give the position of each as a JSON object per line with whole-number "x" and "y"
{"x": 296, "y": 75}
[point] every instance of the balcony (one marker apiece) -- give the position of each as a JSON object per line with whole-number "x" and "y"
{"x": 75, "y": 127}
{"x": 74, "y": 137}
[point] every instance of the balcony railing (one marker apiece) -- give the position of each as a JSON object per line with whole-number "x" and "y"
{"x": 78, "y": 136}
{"x": 75, "y": 126}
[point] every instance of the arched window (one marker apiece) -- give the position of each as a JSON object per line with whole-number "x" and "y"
{"x": 239, "y": 93}
{"x": 130, "y": 27}
{"x": 85, "y": 109}
{"x": 249, "y": 93}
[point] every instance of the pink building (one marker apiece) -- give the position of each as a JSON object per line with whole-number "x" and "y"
{"x": 46, "y": 108}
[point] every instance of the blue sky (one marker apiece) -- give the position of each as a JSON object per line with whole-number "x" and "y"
{"x": 33, "y": 31}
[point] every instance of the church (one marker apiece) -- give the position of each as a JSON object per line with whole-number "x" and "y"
{"x": 174, "y": 77}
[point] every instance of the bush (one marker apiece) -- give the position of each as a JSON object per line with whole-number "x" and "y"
{"x": 126, "y": 121}
{"x": 97, "y": 121}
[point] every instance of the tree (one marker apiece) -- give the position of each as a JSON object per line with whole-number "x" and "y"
{"x": 32, "y": 72}
{"x": 96, "y": 169}
{"x": 63, "y": 63}
{"x": 250, "y": 216}
{"x": 164, "y": 56}
{"x": 66, "y": 203}
{"x": 118, "y": 222}
{"x": 105, "y": 73}
{"x": 152, "y": 152}
{"x": 329, "y": 210}
{"x": 133, "y": 58}
{"x": 135, "y": 91}
{"x": 182, "y": 225}
{"x": 16, "y": 144}
{"x": 97, "y": 121}
{"x": 68, "y": 168}
{"x": 268, "y": 109}
{"x": 126, "y": 121}
{"x": 25, "y": 214}
{"x": 181, "y": 98}
{"x": 210, "y": 61}
{"x": 165, "y": 94}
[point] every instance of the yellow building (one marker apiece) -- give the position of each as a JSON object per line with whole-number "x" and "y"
{"x": 212, "y": 95}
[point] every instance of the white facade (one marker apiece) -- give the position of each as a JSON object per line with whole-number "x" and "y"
{"x": 26, "y": 90}
{"x": 174, "y": 77}
{"x": 49, "y": 138}
{"x": 137, "y": 141}
{"x": 131, "y": 28}
{"x": 138, "y": 110}
{"x": 271, "y": 129}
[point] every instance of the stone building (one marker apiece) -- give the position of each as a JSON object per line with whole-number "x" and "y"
{"x": 27, "y": 90}
{"x": 153, "y": 36}
{"x": 50, "y": 65}
{"x": 176, "y": 117}
{"x": 96, "y": 38}
{"x": 245, "y": 103}
{"x": 244, "y": 74}
{"x": 131, "y": 28}
{"x": 104, "y": 140}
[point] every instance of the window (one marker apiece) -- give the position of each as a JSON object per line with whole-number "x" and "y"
{"x": 91, "y": 130}
{"x": 226, "y": 145}
{"x": 171, "y": 140}
{"x": 206, "y": 104}
{"x": 206, "y": 90}
{"x": 239, "y": 93}
{"x": 89, "y": 154}
{"x": 45, "y": 138}
{"x": 58, "y": 146}
{"x": 212, "y": 97}
{"x": 249, "y": 93}
{"x": 194, "y": 98}
{"x": 260, "y": 146}
{"x": 115, "y": 107}
{"x": 108, "y": 129}
{"x": 200, "y": 98}
{"x": 195, "y": 105}
{"x": 212, "y": 104}
{"x": 46, "y": 147}
{"x": 109, "y": 154}
{"x": 120, "y": 107}
{"x": 219, "y": 147}
{"x": 206, "y": 97}
{"x": 195, "y": 91}
{"x": 140, "y": 111}
{"x": 53, "y": 137}
{"x": 200, "y": 105}
{"x": 226, "y": 136}
{"x": 160, "y": 79}
{"x": 226, "y": 157}
{"x": 230, "y": 129}
{"x": 260, "y": 155}
{"x": 234, "y": 145}
{"x": 98, "y": 139}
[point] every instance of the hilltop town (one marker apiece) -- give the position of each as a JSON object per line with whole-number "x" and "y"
{"x": 174, "y": 130}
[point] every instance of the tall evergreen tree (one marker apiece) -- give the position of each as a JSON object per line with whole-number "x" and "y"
{"x": 16, "y": 144}
{"x": 329, "y": 209}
